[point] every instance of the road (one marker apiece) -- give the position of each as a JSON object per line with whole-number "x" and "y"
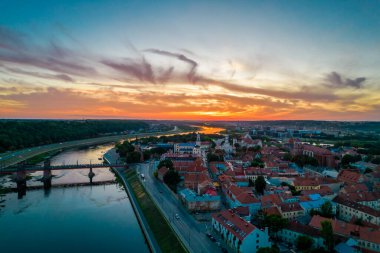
{"x": 12, "y": 158}
{"x": 191, "y": 232}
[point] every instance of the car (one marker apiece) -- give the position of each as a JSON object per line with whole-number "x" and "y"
{"x": 177, "y": 216}
{"x": 212, "y": 238}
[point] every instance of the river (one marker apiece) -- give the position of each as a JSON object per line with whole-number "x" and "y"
{"x": 72, "y": 219}
{"x": 75, "y": 219}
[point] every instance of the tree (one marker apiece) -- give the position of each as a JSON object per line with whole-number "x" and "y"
{"x": 302, "y": 160}
{"x": 214, "y": 158}
{"x": 260, "y": 184}
{"x": 257, "y": 162}
{"x": 134, "y": 157}
{"x": 172, "y": 179}
{"x": 275, "y": 223}
{"x": 304, "y": 243}
{"x": 273, "y": 249}
{"x": 326, "y": 210}
{"x": 166, "y": 163}
{"x": 347, "y": 159}
{"x": 327, "y": 234}
{"x": 287, "y": 157}
{"x": 251, "y": 183}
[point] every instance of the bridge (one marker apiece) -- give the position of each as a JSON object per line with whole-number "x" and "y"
{"x": 21, "y": 171}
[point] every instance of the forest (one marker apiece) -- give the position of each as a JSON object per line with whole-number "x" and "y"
{"x": 18, "y": 134}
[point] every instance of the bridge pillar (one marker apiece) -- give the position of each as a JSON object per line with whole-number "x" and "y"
{"x": 21, "y": 183}
{"x": 47, "y": 174}
{"x": 47, "y": 179}
{"x": 91, "y": 175}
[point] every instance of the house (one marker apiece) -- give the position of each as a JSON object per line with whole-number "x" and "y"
{"x": 295, "y": 229}
{"x": 303, "y": 183}
{"x": 367, "y": 238}
{"x": 242, "y": 196}
{"x": 241, "y": 235}
{"x": 197, "y": 182}
{"x": 347, "y": 209}
{"x": 315, "y": 203}
{"x": 291, "y": 210}
{"x": 350, "y": 177}
{"x": 194, "y": 202}
{"x": 367, "y": 198}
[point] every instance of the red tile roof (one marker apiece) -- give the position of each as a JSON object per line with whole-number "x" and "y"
{"x": 243, "y": 194}
{"x": 347, "y": 202}
{"x": 348, "y": 229}
{"x": 349, "y": 176}
{"x": 233, "y": 223}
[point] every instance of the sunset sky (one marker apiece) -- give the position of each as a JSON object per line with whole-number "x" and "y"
{"x": 206, "y": 60}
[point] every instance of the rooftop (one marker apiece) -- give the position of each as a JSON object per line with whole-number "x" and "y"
{"x": 233, "y": 223}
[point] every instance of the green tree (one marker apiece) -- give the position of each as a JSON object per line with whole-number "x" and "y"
{"x": 166, "y": 163}
{"x": 275, "y": 223}
{"x": 251, "y": 183}
{"x": 260, "y": 184}
{"x": 172, "y": 179}
{"x": 327, "y": 234}
{"x": 304, "y": 243}
{"x": 257, "y": 162}
{"x": 327, "y": 210}
{"x": 134, "y": 157}
{"x": 273, "y": 249}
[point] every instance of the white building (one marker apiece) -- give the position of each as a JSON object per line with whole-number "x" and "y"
{"x": 241, "y": 235}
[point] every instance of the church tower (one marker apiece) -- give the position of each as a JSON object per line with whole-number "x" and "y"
{"x": 198, "y": 142}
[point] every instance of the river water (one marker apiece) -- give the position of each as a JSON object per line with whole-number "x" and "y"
{"x": 74, "y": 219}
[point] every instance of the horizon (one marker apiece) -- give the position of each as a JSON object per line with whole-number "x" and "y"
{"x": 190, "y": 60}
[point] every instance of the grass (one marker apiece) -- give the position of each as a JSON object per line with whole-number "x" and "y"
{"x": 41, "y": 157}
{"x": 165, "y": 236}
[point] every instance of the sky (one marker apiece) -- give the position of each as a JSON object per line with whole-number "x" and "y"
{"x": 190, "y": 60}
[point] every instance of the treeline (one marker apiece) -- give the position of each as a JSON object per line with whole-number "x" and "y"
{"x": 178, "y": 138}
{"x": 18, "y": 134}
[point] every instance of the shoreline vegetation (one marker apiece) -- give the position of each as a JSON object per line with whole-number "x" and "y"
{"x": 162, "y": 231}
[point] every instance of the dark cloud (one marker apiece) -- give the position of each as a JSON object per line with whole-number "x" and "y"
{"x": 193, "y": 64}
{"x": 142, "y": 70}
{"x": 334, "y": 79}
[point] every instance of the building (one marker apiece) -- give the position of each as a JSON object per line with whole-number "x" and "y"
{"x": 347, "y": 209}
{"x": 324, "y": 156}
{"x": 302, "y": 183}
{"x": 242, "y": 196}
{"x": 295, "y": 229}
{"x": 315, "y": 203}
{"x": 241, "y": 235}
{"x": 291, "y": 210}
{"x": 350, "y": 177}
{"x": 209, "y": 201}
{"x": 198, "y": 182}
{"x": 367, "y": 238}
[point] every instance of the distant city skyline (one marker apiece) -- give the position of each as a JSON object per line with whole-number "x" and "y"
{"x": 195, "y": 60}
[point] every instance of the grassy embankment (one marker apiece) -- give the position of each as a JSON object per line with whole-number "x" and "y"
{"x": 162, "y": 231}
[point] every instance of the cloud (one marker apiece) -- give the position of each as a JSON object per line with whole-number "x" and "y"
{"x": 193, "y": 64}
{"x": 61, "y": 77}
{"x": 142, "y": 70}
{"x": 336, "y": 80}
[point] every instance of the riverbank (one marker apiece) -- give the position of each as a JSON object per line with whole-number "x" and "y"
{"x": 12, "y": 158}
{"x": 164, "y": 234}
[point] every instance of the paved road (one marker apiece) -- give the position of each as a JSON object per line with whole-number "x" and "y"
{"x": 12, "y": 158}
{"x": 191, "y": 232}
